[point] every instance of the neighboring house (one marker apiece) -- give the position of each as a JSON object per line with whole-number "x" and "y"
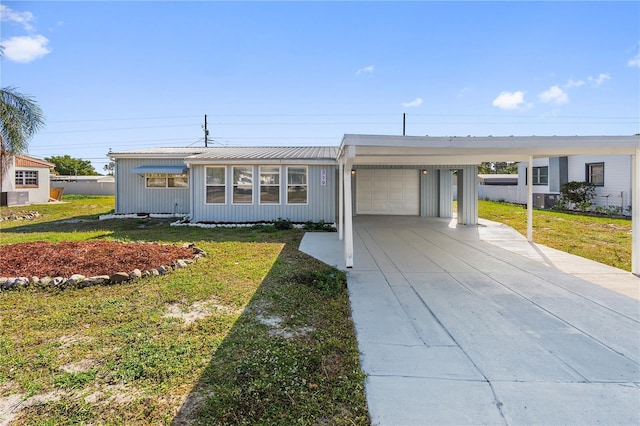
{"x": 26, "y": 182}
{"x": 611, "y": 175}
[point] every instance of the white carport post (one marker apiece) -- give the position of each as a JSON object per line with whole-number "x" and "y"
{"x": 635, "y": 213}
{"x": 340, "y": 201}
{"x": 530, "y": 199}
{"x": 349, "y": 157}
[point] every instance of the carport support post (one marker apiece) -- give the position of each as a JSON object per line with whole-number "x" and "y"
{"x": 635, "y": 213}
{"x": 340, "y": 201}
{"x": 349, "y": 157}
{"x": 530, "y": 199}
{"x": 348, "y": 219}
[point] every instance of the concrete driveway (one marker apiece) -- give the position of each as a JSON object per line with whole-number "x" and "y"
{"x": 474, "y": 325}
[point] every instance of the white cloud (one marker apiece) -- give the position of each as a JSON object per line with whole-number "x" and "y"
{"x": 416, "y": 102}
{"x": 509, "y": 100}
{"x": 23, "y": 18}
{"x": 635, "y": 61}
{"x": 368, "y": 69}
{"x": 573, "y": 83}
{"x": 25, "y": 48}
{"x": 599, "y": 79}
{"x": 554, "y": 95}
{"x": 464, "y": 91}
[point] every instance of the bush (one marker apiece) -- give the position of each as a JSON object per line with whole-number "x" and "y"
{"x": 282, "y": 224}
{"x": 321, "y": 226}
{"x": 577, "y": 195}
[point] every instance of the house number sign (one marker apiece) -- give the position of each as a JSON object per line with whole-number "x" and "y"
{"x": 323, "y": 177}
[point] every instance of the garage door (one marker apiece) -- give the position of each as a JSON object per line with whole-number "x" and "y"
{"x": 387, "y": 191}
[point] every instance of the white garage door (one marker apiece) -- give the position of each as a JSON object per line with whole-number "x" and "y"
{"x": 387, "y": 191}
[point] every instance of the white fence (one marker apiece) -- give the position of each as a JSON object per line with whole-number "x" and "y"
{"x": 85, "y": 188}
{"x": 506, "y": 193}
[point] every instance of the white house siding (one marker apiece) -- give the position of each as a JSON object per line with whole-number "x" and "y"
{"x": 321, "y": 198}
{"x": 522, "y": 176}
{"x": 430, "y": 193}
{"x": 41, "y": 193}
{"x": 133, "y": 197}
{"x": 617, "y": 178}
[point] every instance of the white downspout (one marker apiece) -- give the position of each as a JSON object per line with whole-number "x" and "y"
{"x": 530, "y": 200}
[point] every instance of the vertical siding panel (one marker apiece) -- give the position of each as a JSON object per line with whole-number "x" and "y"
{"x": 133, "y": 197}
{"x": 430, "y": 197}
{"x": 470, "y": 215}
{"x": 446, "y": 193}
{"x": 320, "y": 199}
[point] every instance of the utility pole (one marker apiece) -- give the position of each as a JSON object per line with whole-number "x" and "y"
{"x": 206, "y": 132}
{"x": 404, "y": 121}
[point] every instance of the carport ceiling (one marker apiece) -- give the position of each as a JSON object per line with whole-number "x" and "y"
{"x": 427, "y": 150}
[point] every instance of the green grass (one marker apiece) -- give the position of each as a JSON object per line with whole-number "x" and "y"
{"x": 277, "y": 345}
{"x": 603, "y": 239}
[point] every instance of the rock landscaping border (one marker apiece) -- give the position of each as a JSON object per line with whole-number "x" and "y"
{"x": 80, "y": 281}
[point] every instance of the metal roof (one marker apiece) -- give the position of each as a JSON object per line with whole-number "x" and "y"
{"x": 158, "y": 152}
{"x": 171, "y": 170}
{"x": 269, "y": 154}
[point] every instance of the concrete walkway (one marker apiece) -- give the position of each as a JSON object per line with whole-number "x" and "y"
{"x": 474, "y": 325}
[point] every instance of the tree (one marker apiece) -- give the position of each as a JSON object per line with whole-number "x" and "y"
{"x": 110, "y": 168}
{"x": 69, "y": 166}
{"x": 20, "y": 119}
{"x": 498, "y": 167}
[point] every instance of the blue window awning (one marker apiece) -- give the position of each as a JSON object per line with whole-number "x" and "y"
{"x": 169, "y": 170}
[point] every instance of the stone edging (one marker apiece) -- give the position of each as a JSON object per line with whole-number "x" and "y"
{"x": 80, "y": 281}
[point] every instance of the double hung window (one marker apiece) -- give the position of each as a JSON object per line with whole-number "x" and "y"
{"x": 242, "y": 185}
{"x": 297, "y": 185}
{"x": 216, "y": 185}
{"x": 595, "y": 173}
{"x": 269, "y": 185}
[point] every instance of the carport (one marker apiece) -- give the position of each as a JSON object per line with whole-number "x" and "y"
{"x": 432, "y": 161}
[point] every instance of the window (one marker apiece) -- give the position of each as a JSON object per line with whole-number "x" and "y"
{"x": 541, "y": 175}
{"x": 296, "y": 185}
{"x": 162, "y": 180}
{"x": 595, "y": 173}
{"x": 216, "y": 185}
{"x": 26, "y": 178}
{"x": 242, "y": 185}
{"x": 269, "y": 185}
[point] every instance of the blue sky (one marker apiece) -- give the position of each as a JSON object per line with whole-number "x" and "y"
{"x": 125, "y": 75}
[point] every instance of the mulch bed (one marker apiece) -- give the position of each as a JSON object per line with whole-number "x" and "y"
{"x": 44, "y": 259}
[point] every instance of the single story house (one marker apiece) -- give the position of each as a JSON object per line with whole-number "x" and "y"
{"x": 366, "y": 174}
{"x": 611, "y": 175}
{"x": 26, "y": 181}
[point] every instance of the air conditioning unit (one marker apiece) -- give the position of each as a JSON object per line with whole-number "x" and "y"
{"x": 550, "y": 200}
{"x": 14, "y": 198}
{"x": 538, "y": 201}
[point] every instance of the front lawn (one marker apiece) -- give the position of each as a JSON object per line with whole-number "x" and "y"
{"x": 255, "y": 333}
{"x": 603, "y": 239}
